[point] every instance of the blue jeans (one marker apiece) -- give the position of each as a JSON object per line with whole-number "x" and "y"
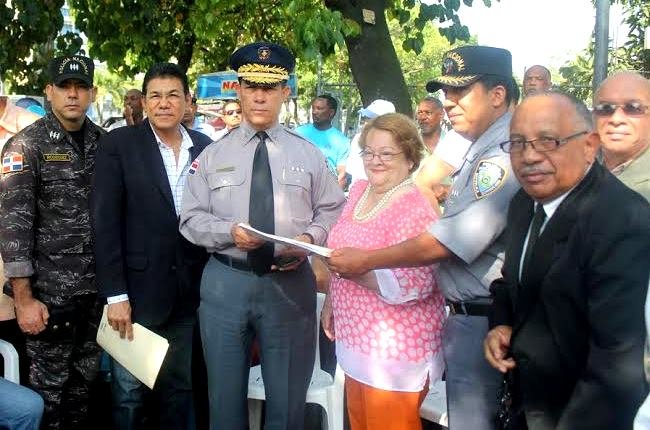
{"x": 173, "y": 407}
{"x": 20, "y": 407}
{"x": 472, "y": 384}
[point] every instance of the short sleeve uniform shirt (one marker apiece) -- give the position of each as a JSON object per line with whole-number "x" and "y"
{"x": 475, "y": 217}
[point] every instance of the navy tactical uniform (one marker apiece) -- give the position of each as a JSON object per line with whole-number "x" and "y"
{"x": 45, "y": 235}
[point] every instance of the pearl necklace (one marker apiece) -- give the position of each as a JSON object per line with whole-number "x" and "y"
{"x": 380, "y": 204}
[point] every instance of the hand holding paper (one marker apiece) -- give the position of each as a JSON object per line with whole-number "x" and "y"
{"x": 307, "y": 247}
{"x": 141, "y": 356}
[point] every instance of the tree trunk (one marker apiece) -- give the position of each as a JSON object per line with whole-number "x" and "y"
{"x": 185, "y": 52}
{"x": 373, "y": 61}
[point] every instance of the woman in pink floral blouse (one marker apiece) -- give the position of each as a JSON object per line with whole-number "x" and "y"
{"x": 386, "y": 323}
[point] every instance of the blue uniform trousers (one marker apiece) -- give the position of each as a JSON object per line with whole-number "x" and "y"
{"x": 472, "y": 384}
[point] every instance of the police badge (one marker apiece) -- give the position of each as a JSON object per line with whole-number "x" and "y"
{"x": 264, "y": 53}
{"x": 488, "y": 177}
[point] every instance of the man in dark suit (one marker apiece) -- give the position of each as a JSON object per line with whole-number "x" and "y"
{"x": 146, "y": 270}
{"x": 567, "y": 319}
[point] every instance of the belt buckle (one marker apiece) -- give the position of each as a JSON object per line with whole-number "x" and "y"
{"x": 463, "y": 308}
{"x": 457, "y": 308}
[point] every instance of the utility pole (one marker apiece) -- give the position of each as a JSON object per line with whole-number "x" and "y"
{"x": 646, "y": 52}
{"x": 601, "y": 43}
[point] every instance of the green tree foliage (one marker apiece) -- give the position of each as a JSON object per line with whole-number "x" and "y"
{"x": 373, "y": 60}
{"x": 336, "y": 78}
{"x": 29, "y": 39}
{"x": 578, "y": 73}
{"x": 130, "y": 35}
{"x": 111, "y": 89}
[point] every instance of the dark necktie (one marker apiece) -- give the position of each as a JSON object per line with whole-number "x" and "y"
{"x": 535, "y": 227}
{"x": 260, "y": 212}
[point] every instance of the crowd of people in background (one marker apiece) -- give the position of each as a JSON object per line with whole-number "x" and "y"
{"x": 498, "y": 244}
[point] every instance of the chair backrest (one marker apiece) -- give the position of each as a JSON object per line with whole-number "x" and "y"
{"x": 320, "y": 300}
{"x": 10, "y": 357}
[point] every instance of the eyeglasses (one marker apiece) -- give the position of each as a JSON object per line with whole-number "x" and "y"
{"x": 384, "y": 156}
{"x": 232, "y": 112}
{"x": 171, "y": 97}
{"x": 631, "y": 109}
{"x": 543, "y": 144}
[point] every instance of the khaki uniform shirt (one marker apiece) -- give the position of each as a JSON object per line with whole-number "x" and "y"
{"x": 306, "y": 195}
{"x": 636, "y": 174}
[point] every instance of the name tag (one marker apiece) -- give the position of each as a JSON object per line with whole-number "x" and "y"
{"x": 57, "y": 157}
{"x": 225, "y": 169}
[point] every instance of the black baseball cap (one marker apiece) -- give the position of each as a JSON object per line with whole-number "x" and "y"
{"x": 71, "y": 67}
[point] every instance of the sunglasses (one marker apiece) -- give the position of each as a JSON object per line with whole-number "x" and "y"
{"x": 232, "y": 112}
{"x": 631, "y": 109}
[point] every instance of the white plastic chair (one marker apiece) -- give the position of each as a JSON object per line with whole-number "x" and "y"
{"x": 323, "y": 389}
{"x": 434, "y": 406}
{"x": 10, "y": 357}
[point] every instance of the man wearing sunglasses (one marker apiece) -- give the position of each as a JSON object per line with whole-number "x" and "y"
{"x": 567, "y": 319}
{"x": 622, "y": 115}
{"x": 231, "y": 116}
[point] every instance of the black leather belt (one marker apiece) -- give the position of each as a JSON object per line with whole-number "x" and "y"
{"x": 231, "y": 262}
{"x": 468, "y": 308}
{"x": 237, "y": 264}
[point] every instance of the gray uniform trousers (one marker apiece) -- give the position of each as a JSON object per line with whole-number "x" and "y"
{"x": 472, "y": 384}
{"x": 279, "y": 310}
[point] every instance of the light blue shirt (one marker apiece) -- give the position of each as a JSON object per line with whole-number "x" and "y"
{"x": 332, "y": 143}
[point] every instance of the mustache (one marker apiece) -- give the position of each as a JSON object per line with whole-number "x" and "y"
{"x": 531, "y": 170}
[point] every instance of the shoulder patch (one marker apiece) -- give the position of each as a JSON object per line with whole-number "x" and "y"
{"x": 489, "y": 176}
{"x": 12, "y": 162}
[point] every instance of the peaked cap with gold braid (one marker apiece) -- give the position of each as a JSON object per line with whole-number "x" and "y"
{"x": 263, "y": 63}
{"x": 465, "y": 65}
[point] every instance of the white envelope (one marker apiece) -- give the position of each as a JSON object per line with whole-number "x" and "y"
{"x": 141, "y": 356}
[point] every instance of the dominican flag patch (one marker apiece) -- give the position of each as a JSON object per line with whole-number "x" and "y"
{"x": 193, "y": 167}
{"x": 12, "y": 162}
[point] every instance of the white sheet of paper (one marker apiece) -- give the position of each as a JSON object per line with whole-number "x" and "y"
{"x": 320, "y": 250}
{"x": 141, "y": 356}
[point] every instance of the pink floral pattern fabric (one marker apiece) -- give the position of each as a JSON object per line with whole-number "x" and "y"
{"x": 388, "y": 336}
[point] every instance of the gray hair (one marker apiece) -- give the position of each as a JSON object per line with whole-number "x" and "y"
{"x": 582, "y": 111}
{"x": 431, "y": 99}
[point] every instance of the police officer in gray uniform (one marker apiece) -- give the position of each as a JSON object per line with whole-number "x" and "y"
{"x": 262, "y": 174}
{"x": 467, "y": 240}
{"x": 46, "y": 244}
